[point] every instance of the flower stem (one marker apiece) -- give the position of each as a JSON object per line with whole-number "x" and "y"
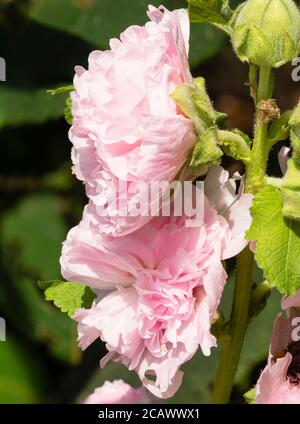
{"x": 236, "y": 331}
{"x": 232, "y": 345}
{"x": 255, "y": 171}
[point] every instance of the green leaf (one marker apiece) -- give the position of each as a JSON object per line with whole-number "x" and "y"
{"x": 44, "y": 322}
{"x": 290, "y": 186}
{"x": 22, "y": 378}
{"x": 68, "y": 296}
{"x": 250, "y": 396}
{"x": 19, "y": 107}
{"x": 216, "y": 12}
{"x": 206, "y": 152}
{"x": 98, "y": 21}
{"x": 291, "y": 191}
{"x": 278, "y": 241}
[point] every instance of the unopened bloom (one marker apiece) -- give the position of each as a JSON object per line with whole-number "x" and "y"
{"x": 266, "y": 32}
{"x": 127, "y": 131}
{"x": 279, "y": 383}
{"x": 166, "y": 281}
{"x": 117, "y": 392}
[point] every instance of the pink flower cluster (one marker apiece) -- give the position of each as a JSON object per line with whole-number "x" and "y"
{"x": 158, "y": 281}
{"x": 279, "y": 383}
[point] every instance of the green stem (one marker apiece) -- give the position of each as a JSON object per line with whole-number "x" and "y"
{"x": 264, "y": 90}
{"x": 255, "y": 171}
{"x": 233, "y": 343}
{"x": 254, "y": 179}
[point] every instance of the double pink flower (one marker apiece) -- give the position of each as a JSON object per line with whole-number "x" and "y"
{"x": 159, "y": 281}
{"x": 126, "y": 128}
{"x": 165, "y": 282}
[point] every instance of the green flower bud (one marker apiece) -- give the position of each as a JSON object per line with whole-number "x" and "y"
{"x": 266, "y": 32}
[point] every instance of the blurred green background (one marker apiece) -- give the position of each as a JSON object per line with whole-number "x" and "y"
{"x": 42, "y": 41}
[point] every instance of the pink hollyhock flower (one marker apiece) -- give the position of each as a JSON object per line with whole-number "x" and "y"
{"x": 117, "y": 392}
{"x": 279, "y": 383}
{"x": 127, "y": 131}
{"x": 166, "y": 281}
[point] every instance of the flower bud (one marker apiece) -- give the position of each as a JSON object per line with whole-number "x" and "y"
{"x": 266, "y": 32}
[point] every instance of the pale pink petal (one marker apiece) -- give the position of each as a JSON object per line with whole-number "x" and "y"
{"x": 273, "y": 387}
{"x": 283, "y": 158}
{"x": 231, "y": 203}
{"x": 291, "y": 301}
{"x": 117, "y": 392}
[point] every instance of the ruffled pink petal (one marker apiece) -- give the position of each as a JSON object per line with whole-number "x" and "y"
{"x": 272, "y": 386}
{"x": 117, "y": 392}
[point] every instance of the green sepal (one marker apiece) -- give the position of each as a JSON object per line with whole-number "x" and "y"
{"x": 195, "y": 103}
{"x": 235, "y": 144}
{"x": 68, "y": 111}
{"x": 60, "y": 90}
{"x": 206, "y": 152}
{"x": 280, "y": 128}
